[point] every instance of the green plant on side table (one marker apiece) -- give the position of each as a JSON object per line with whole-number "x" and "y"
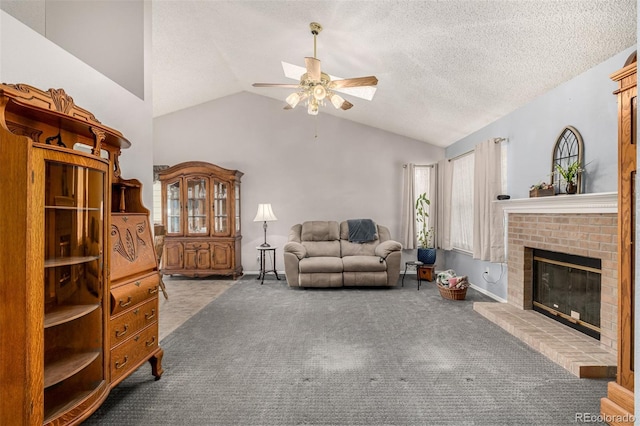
{"x": 426, "y": 249}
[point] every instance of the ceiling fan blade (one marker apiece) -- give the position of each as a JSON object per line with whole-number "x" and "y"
{"x": 346, "y": 105}
{"x": 289, "y": 86}
{"x": 355, "y": 82}
{"x": 295, "y": 72}
{"x": 287, "y": 107}
{"x": 313, "y": 68}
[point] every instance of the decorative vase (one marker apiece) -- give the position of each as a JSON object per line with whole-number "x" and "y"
{"x": 571, "y": 188}
{"x": 427, "y": 255}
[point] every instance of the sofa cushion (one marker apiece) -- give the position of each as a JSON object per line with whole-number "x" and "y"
{"x": 294, "y": 233}
{"x": 320, "y": 264}
{"x": 386, "y": 248}
{"x": 363, "y": 264}
{"x": 295, "y": 248}
{"x": 320, "y": 231}
{"x": 330, "y": 279}
{"x": 367, "y": 279}
{"x": 357, "y": 249}
{"x": 322, "y": 248}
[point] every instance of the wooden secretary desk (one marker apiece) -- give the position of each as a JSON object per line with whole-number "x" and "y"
{"x": 76, "y": 260}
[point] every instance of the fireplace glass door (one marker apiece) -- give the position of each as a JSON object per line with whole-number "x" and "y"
{"x": 567, "y": 289}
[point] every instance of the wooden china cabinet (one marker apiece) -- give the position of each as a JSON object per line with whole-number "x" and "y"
{"x": 619, "y": 403}
{"x": 58, "y": 167}
{"x": 201, "y": 215}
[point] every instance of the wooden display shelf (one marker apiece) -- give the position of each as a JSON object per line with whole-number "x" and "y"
{"x": 84, "y": 209}
{"x": 68, "y": 364}
{"x": 52, "y": 413}
{"x": 65, "y": 313}
{"x": 66, "y": 261}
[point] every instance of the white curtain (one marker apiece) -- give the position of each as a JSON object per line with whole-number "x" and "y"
{"x": 443, "y": 204}
{"x": 487, "y": 236}
{"x": 462, "y": 212}
{"x": 407, "y": 216}
{"x": 433, "y": 197}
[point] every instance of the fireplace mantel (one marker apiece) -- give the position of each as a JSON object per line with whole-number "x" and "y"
{"x": 601, "y": 202}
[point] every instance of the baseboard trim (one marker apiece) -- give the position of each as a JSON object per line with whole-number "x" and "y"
{"x": 487, "y": 293}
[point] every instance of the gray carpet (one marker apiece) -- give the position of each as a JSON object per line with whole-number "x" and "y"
{"x": 271, "y": 355}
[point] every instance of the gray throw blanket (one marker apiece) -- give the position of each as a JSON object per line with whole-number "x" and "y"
{"x": 361, "y": 230}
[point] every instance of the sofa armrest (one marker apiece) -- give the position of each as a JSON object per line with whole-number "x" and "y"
{"x": 295, "y": 248}
{"x": 385, "y": 248}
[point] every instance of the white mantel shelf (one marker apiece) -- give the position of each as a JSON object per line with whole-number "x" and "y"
{"x": 602, "y": 202}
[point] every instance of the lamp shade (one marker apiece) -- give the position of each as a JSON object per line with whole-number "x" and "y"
{"x": 265, "y": 214}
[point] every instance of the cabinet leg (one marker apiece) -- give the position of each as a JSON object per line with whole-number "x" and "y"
{"x": 156, "y": 364}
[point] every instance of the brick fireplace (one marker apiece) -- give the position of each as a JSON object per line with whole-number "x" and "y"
{"x": 582, "y": 225}
{"x": 583, "y": 234}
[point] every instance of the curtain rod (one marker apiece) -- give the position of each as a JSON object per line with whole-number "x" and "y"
{"x": 404, "y": 166}
{"x": 495, "y": 140}
{"x": 461, "y": 155}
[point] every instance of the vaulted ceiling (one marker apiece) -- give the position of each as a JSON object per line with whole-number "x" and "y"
{"x": 445, "y": 68}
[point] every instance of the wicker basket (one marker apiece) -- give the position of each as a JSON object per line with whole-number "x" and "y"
{"x": 452, "y": 293}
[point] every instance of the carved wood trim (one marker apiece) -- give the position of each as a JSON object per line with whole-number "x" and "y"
{"x": 100, "y": 136}
{"x": 52, "y": 100}
{"x": 22, "y": 130}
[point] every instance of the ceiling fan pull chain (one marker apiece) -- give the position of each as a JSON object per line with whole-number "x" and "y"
{"x": 315, "y": 120}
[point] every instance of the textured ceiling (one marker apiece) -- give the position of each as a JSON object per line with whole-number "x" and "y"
{"x": 445, "y": 68}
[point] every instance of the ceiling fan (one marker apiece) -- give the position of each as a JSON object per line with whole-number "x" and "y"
{"x": 315, "y": 86}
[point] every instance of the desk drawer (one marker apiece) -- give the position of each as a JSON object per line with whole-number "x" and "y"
{"x": 128, "y": 355}
{"x": 133, "y": 292}
{"x": 128, "y": 323}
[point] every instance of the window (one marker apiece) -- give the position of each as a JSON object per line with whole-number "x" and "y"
{"x": 568, "y": 150}
{"x": 157, "y": 202}
{"x": 422, "y": 183}
{"x": 462, "y": 203}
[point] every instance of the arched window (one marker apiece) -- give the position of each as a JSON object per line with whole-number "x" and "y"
{"x": 568, "y": 150}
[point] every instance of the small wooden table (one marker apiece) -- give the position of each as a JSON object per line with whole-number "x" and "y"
{"x": 426, "y": 272}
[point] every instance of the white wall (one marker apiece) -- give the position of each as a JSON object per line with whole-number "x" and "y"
{"x": 105, "y": 34}
{"x": 586, "y": 103}
{"x": 28, "y": 57}
{"x": 349, "y": 171}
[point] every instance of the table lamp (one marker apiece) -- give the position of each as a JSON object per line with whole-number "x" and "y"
{"x": 265, "y": 214}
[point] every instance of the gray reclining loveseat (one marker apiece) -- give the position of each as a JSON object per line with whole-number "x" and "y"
{"x": 320, "y": 254}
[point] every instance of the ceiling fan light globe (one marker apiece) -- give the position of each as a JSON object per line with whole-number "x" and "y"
{"x": 319, "y": 92}
{"x": 313, "y": 108}
{"x": 337, "y": 101}
{"x": 293, "y": 99}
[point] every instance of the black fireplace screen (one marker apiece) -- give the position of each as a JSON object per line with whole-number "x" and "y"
{"x": 567, "y": 289}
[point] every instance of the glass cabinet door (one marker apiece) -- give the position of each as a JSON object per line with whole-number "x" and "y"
{"x": 197, "y": 206}
{"x": 73, "y": 281}
{"x": 173, "y": 208}
{"x": 220, "y": 208}
{"x": 237, "y": 194}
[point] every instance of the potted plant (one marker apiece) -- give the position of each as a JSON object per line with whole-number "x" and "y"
{"x": 426, "y": 249}
{"x": 570, "y": 175}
